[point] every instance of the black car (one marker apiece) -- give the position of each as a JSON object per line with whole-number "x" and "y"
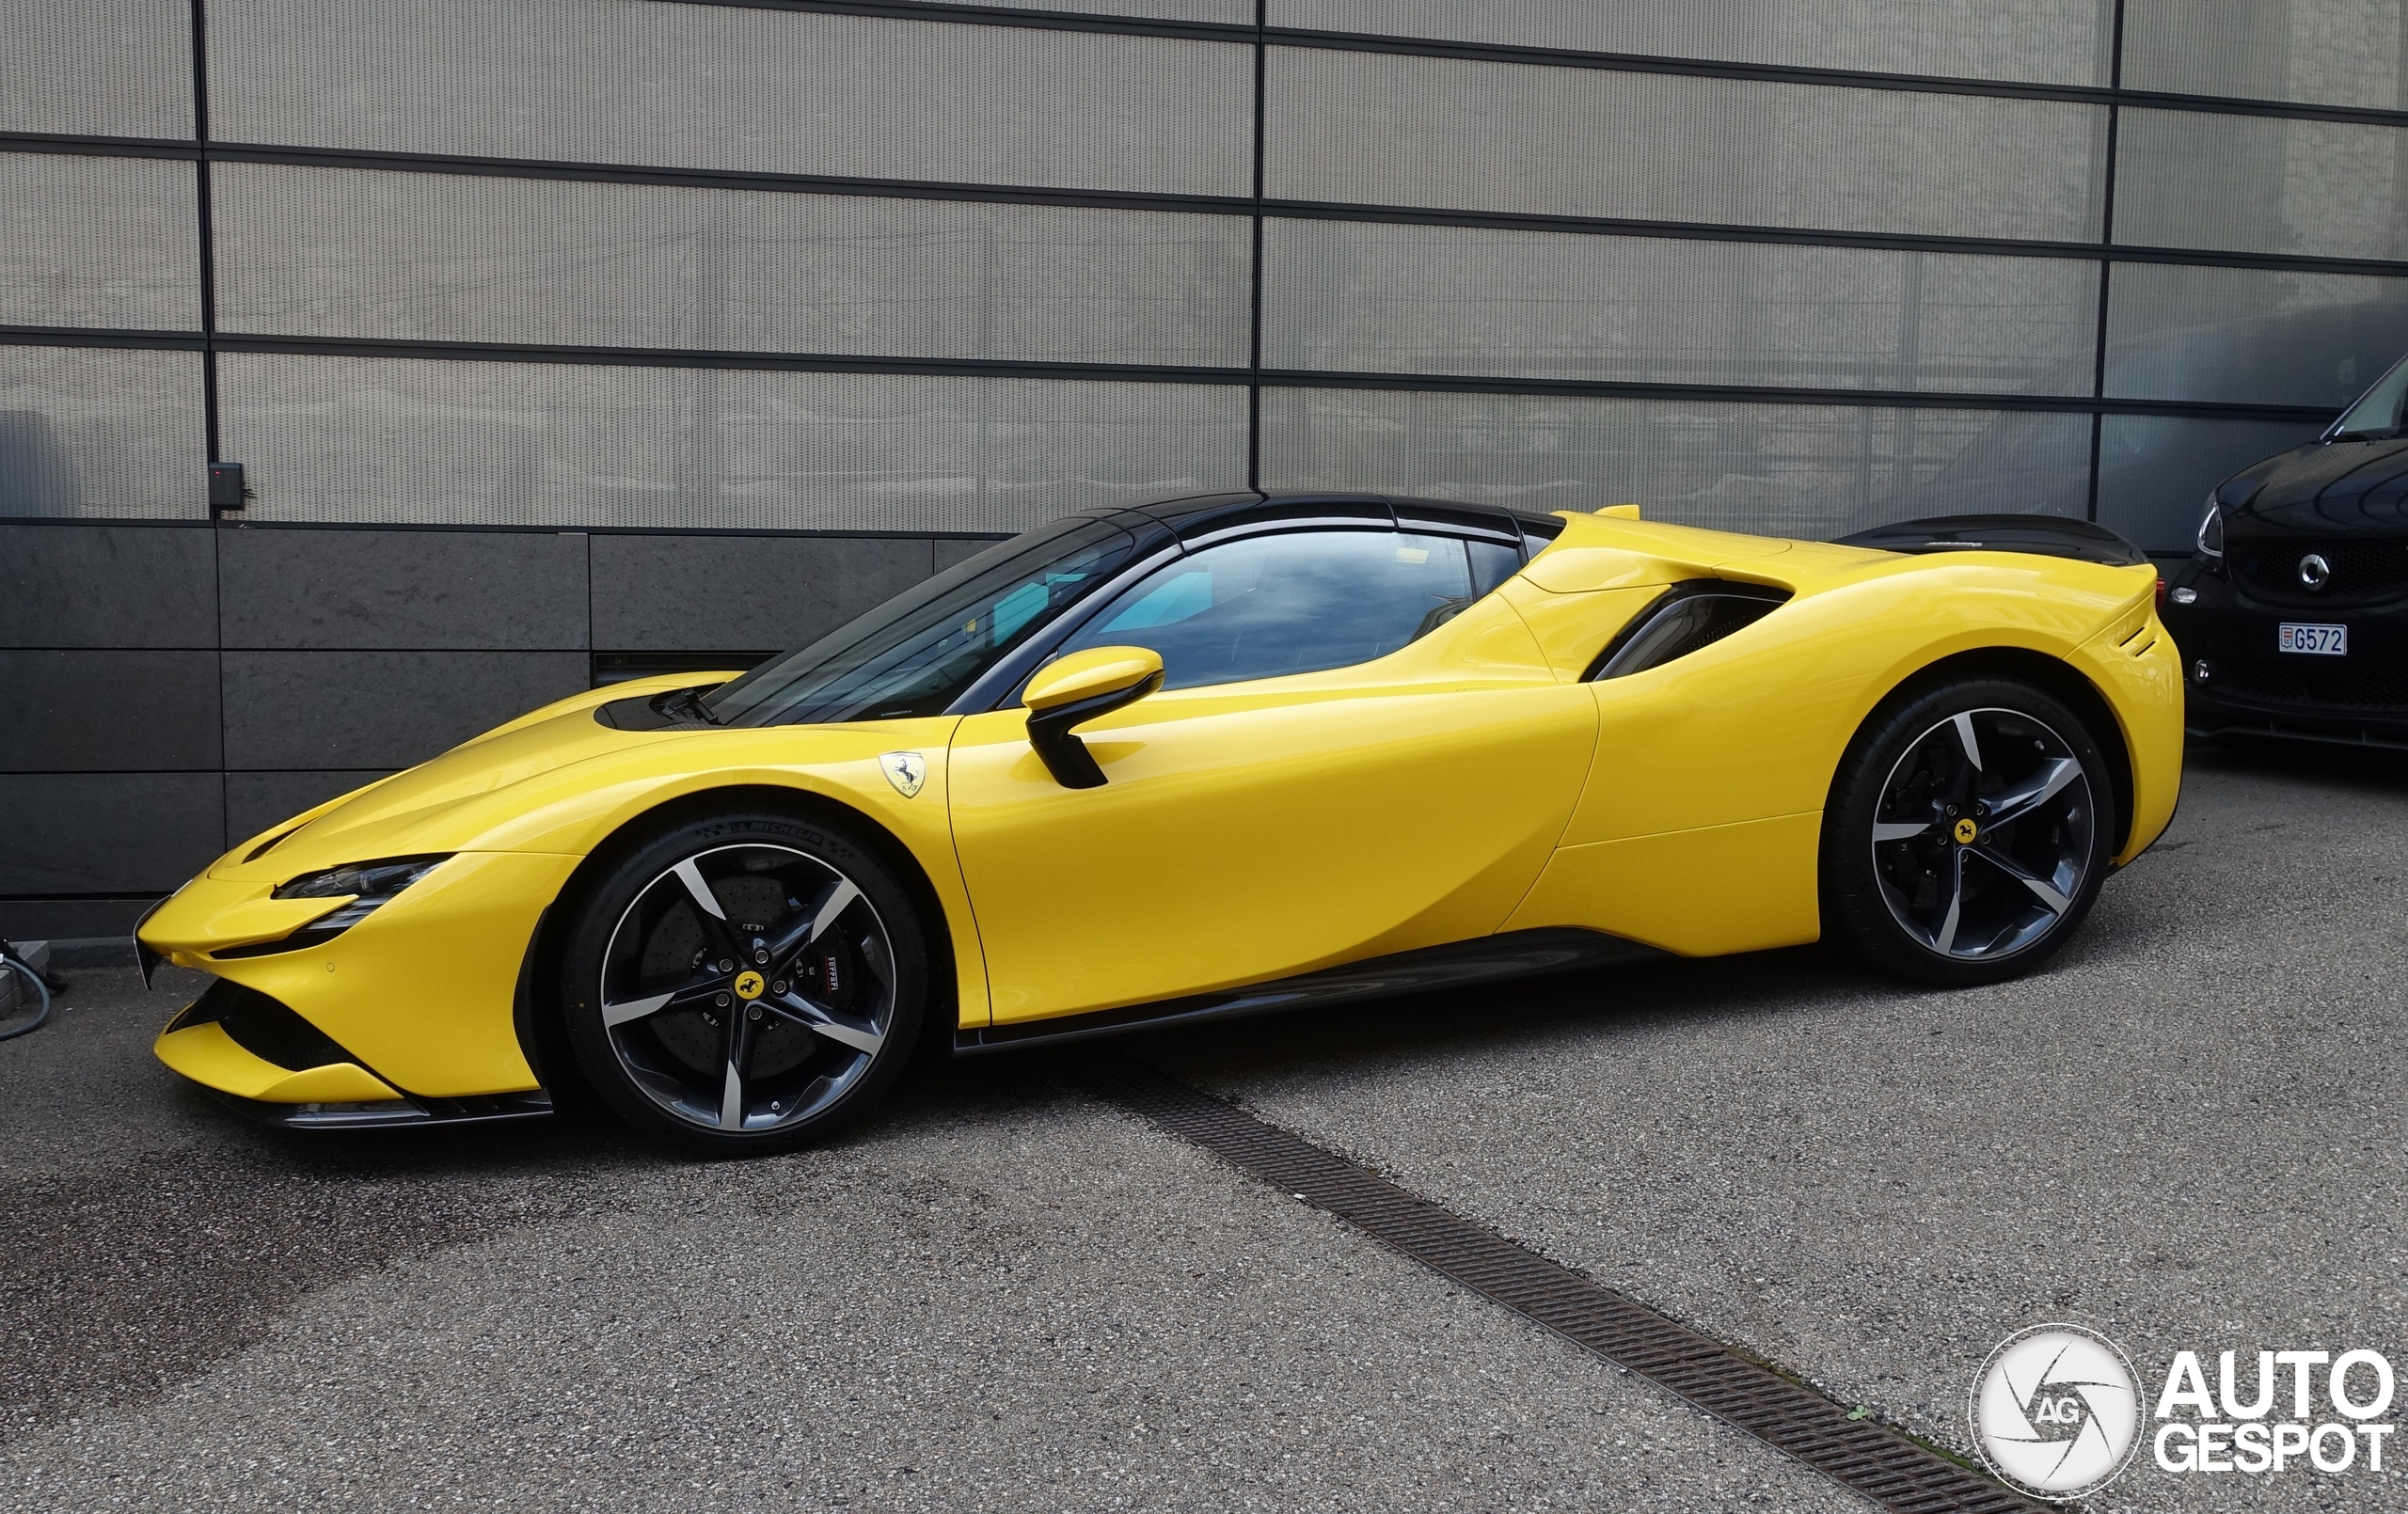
{"x": 2292, "y": 615}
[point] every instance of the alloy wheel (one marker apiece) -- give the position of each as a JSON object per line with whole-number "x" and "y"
{"x": 747, "y": 988}
{"x": 1983, "y": 836}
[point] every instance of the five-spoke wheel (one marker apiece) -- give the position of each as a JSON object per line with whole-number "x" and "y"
{"x": 745, "y": 982}
{"x": 1968, "y": 832}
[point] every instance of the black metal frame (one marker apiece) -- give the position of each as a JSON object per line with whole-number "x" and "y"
{"x": 204, "y": 150}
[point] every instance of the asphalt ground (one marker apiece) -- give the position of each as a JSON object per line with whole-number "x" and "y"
{"x": 1002, "y": 1293}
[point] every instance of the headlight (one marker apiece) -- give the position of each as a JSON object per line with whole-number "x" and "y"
{"x": 371, "y": 885}
{"x": 378, "y": 880}
{"x": 2211, "y": 530}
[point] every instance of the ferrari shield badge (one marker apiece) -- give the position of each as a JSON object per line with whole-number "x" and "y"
{"x": 905, "y": 770}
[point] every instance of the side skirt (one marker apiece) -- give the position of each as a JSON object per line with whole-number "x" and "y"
{"x": 1510, "y": 954}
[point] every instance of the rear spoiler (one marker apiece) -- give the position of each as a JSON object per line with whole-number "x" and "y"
{"x": 2053, "y": 536}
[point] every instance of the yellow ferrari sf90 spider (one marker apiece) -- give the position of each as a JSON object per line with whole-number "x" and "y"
{"x": 1208, "y": 757}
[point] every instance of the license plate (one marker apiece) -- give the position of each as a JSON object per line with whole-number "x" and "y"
{"x": 2318, "y": 641}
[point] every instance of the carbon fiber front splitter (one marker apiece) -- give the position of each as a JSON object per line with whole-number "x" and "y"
{"x": 390, "y": 1113}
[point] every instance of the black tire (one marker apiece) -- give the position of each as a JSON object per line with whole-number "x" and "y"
{"x": 764, "y": 1019}
{"x": 1969, "y": 830}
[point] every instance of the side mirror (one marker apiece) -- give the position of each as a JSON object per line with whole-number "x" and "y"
{"x": 1077, "y": 689}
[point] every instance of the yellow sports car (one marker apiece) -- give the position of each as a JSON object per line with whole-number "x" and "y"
{"x": 1208, "y": 757}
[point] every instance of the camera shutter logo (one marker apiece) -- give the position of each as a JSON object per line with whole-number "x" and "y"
{"x": 2056, "y": 1411}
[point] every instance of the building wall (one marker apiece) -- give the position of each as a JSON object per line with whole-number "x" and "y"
{"x": 559, "y": 335}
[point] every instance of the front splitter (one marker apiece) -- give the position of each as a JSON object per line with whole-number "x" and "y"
{"x": 390, "y": 1114}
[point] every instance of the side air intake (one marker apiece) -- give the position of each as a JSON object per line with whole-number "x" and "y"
{"x": 1683, "y": 619}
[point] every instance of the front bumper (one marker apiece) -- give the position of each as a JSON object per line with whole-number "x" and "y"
{"x": 420, "y": 997}
{"x": 2249, "y": 689}
{"x": 259, "y": 1057}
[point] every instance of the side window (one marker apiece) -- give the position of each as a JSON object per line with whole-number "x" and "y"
{"x": 1491, "y": 564}
{"x": 1288, "y": 603}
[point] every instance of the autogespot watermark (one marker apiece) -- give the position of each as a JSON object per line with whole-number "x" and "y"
{"x": 2058, "y": 1411}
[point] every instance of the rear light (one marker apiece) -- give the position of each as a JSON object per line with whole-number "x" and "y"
{"x": 2160, "y": 593}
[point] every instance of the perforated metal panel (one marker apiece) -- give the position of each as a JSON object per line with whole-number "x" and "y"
{"x": 1377, "y": 298}
{"x": 2051, "y": 41}
{"x": 1789, "y": 470}
{"x": 2328, "y": 52}
{"x": 96, "y": 432}
{"x": 716, "y": 86}
{"x": 2155, "y": 471}
{"x": 1397, "y": 130}
{"x": 99, "y": 242}
{"x": 393, "y": 439}
{"x": 2258, "y": 184}
{"x": 2250, "y": 336}
{"x": 1222, "y": 12}
{"x": 335, "y": 252}
{"x": 97, "y": 68}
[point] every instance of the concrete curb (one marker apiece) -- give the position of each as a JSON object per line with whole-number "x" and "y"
{"x": 93, "y": 952}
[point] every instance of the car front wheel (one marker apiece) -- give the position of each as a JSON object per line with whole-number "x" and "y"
{"x": 1967, "y": 833}
{"x": 744, "y": 984}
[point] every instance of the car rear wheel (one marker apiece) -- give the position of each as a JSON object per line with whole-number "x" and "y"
{"x": 1967, "y": 833}
{"x": 744, "y": 984}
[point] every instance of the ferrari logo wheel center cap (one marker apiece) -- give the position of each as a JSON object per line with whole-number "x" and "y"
{"x": 748, "y": 985}
{"x": 1966, "y": 831}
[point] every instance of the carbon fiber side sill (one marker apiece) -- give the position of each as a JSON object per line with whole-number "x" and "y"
{"x": 1510, "y": 954}
{"x": 1864, "y": 1457}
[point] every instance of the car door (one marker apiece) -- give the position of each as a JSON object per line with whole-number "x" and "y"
{"x": 1356, "y": 751}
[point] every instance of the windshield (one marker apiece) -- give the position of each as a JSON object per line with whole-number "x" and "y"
{"x": 2377, "y": 412}
{"x": 919, "y": 651}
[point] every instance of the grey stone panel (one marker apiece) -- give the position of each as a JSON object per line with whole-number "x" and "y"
{"x": 953, "y": 550}
{"x": 486, "y": 590}
{"x": 59, "y": 921}
{"x": 108, "y": 833}
{"x": 106, "y": 586}
{"x": 256, "y": 801}
{"x": 108, "y": 711}
{"x": 664, "y": 594}
{"x": 333, "y": 709}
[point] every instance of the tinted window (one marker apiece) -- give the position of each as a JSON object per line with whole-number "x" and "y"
{"x": 1287, "y": 603}
{"x": 1491, "y": 564}
{"x": 920, "y": 650}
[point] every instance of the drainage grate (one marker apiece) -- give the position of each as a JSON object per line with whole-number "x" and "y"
{"x": 1884, "y": 1467}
